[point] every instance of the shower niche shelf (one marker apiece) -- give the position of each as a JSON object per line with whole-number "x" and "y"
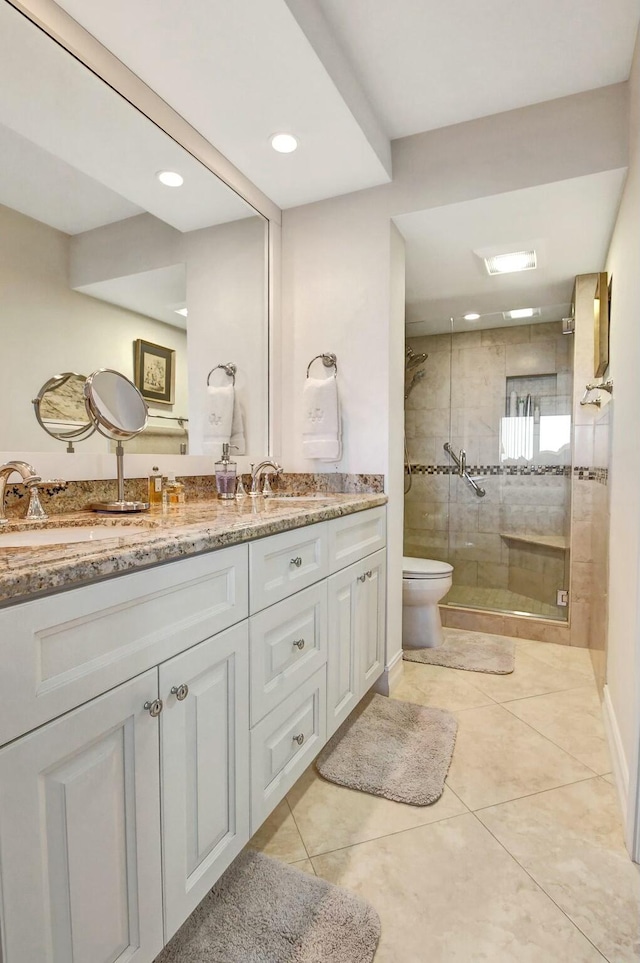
{"x": 558, "y": 542}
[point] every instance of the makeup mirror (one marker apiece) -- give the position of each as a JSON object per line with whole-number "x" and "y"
{"x": 119, "y": 412}
{"x": 60, "y": 408}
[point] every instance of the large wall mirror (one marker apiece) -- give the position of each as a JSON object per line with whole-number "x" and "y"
{"x": 99, "y": 254}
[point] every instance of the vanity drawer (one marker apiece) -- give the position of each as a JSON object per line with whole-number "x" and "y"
{"x": 283, "y": 564}
{"x": 353, "y": 537}
{"x": 63, "y": 650}
{"x": 284, "y": 743}
{"x": 288, "y": 642}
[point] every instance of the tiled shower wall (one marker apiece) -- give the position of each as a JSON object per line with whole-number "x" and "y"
{"x": 443, "y": 517}
{"x": 589, "y": 509}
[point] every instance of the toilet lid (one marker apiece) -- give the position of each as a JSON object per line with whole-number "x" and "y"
{"x": 425, "y": 568}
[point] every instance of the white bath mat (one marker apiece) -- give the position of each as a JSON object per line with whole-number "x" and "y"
{"x": 393, "y": 749}
{"x": 473, "y": 651}
{"x": 263, "y": 911}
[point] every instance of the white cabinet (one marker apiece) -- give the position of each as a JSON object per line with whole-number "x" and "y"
{"x": 80, "y": 835}
{"x": 205, "y": 768}
{"x": 284, "y": 743}
{"x": 288, "y": 643}
{"x": 114, "y": 824}
{"x": 356, "y": 630}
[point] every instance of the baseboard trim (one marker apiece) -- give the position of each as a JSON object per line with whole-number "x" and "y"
{"x": 391, "y": 675}
{"x": 620, "y": 768}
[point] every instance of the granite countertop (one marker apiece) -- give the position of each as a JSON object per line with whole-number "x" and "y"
{"x": 154, "y": 537}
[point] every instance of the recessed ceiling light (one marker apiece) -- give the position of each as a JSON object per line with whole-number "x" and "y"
{"x": 170, "y": 178}
{"x": 284, "y": 143}
{"x": 507, "y": 263}
{"x": 183, "y": 311}
{"x": 472, "y": 316}
{"x": 520, "y": 313}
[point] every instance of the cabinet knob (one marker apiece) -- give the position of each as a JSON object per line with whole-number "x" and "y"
{"x": 154, "y": 708}
{"x": 369, "y": 573}
{"x": 297, "y": 561}
{"x": 299, "y": 738}
{"x": 362, "y": 578}
{"x": 299, "y": 644}
{"x": 180, "y": 691}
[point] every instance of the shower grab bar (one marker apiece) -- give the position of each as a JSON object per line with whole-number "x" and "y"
{"x": 460, "y": 462}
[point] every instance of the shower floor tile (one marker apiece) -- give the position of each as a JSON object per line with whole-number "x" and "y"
{"x": 500, "y": 600}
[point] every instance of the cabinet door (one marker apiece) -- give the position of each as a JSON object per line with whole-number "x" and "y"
{"x": 356, "y": 635}
{"x": 343, "y": 677}
{"x": 80, "y": 835}
{"x": 205, "y": 768}
{"x": 371, "y": 619}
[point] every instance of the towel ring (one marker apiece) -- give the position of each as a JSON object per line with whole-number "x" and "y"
{"x": 229, "y": 368}
{"x": 329, "y": 360}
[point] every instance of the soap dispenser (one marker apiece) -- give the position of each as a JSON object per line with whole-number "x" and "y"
{"x": 226, "y": 471}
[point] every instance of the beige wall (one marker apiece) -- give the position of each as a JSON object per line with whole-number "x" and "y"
{"x": 623, "y": 660}
{"x": 48, "y": 328}
{"x": 338, "y": 293}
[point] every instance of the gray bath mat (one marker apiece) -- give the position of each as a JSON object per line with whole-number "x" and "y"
{"x": 474, "y": 651}
{"x": 393, "y": 749}
{"x": 263, "y": 911}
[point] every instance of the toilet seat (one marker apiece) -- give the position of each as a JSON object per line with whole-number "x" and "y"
{"x": 425, "y": 568}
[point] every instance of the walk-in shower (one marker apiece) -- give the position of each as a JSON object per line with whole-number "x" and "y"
{"x": 488, "y": 442}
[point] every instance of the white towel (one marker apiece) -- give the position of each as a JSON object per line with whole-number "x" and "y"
{"x": 321, "y": 431}
{"x": 219, "y": 418}
{"x": 238, "y": 440}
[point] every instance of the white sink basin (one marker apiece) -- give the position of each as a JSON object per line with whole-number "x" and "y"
{"x": 65, "y": 536}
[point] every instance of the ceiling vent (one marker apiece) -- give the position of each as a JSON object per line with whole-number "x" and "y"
{"x": 508, "y": 263}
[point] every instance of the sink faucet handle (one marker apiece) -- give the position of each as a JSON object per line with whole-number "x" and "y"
{"x": 35, "y": 509}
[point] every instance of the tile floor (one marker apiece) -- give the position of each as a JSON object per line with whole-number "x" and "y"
{"x": 521, "y": 859}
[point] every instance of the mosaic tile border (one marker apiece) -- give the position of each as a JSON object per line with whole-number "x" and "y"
{"x": 492, "y": 469}
{"x": 580, "y": 472}
{"x": 598, "y": 475}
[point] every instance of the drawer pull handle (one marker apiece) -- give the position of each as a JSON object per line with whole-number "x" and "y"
{"x": 180, "y": 691}
{"x": 297, "y": 561}
{"x": 362, "y": 578}
{"x": 369, "y": 573}
{"x": 154, "y": 708}
{"x": 299, "y": 738}
{"x": 299, "y": 644}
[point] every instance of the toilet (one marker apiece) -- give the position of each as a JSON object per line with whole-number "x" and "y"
{"x": 424, "y": 582}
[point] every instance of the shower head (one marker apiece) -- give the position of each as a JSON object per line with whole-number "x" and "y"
{"x": 413, "y": 360}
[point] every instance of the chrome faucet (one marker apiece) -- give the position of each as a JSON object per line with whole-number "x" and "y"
{"x": 30, "y": 479}
{"x": 257, "y": 473}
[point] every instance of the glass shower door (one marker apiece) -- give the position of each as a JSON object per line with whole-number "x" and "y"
{"x": 509, "y": 516}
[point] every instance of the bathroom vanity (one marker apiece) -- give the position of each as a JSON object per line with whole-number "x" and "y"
{"x": 150, "y": 722}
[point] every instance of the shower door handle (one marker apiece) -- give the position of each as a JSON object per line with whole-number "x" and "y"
{"x": 462, "y": 467}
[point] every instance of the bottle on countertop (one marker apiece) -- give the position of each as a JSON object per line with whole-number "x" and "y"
{"x": 226, "y": 471}
{"x": 173, "y": 491}
{"x": 155, "y": 487}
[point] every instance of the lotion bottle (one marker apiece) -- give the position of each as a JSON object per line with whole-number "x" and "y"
{"x": 155, "y": 487}
{"x": 226, "y": 471}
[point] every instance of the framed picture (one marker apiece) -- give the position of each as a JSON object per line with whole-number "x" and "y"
{"x": 154, "y": 372}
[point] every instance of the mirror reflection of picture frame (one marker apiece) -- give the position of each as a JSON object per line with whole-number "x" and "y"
{"x": 601, "y": 305}
{"x": 154, "y": 372}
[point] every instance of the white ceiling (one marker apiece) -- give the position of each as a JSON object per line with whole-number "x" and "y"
{"x": 568, "y": 223}
{"x": 430, "y": 64}
{"x": 87, "y": 147}
{"x": 240, "y": 71}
